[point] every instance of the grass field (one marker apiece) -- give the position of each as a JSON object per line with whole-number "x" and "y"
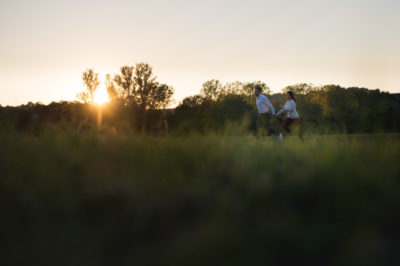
{"x": 103, "y": 199}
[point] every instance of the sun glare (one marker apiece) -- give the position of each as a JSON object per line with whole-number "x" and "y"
{"x": 101, "y": 96}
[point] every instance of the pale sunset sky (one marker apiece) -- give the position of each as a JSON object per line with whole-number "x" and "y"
{"x": 45, "y": 45}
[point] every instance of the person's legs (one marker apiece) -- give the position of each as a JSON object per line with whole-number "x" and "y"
{"x": 267, "y": 120}
{"x": 258, "y": 122}
{"x": 295, "y": 124}
{"x": 286, "y": 123}
{"x": 275, "y": 125}
{"x": 260, "y": 125}
{"x": 297, "y": 127}
{"x": 263, "y": 124}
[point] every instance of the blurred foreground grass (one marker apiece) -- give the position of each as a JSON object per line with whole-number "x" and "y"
{"x": 99, "y": 199}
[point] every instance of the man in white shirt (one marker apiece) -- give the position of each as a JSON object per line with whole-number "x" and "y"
{"x": 265, "y": 110}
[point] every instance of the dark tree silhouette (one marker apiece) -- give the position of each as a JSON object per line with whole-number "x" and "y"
{"x": 91, "y": 82}
{"x": 211, "y": 89}
{"x": 138, "y": 85}
{"x": 125, "y": 83}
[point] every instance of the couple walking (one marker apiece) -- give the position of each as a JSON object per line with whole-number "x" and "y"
{"x": 266, "y": 109}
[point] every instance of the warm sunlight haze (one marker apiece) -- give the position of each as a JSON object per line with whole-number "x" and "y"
{"x": 46, "y": 45}
{"x": 207, "y": 132}
{"x": 100, "y": 96}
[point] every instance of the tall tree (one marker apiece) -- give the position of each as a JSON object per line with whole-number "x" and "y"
{"x": 233, "y": 88}
{"x": 160, "y": 96}
{"x": 91, "y": 82}
{"x": 148, "y": 93}
{"x": 211, "y": 89}
{"x": 125, "y": 83}
{"x": 145, "y": 85}
{"x": 138, "y": 85}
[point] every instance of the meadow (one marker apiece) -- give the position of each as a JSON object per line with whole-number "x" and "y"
{"x": 100, "y": 198}
{"x": 107, "y": 161}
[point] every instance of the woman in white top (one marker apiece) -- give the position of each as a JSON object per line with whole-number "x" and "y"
{"x": 292, "y": 115}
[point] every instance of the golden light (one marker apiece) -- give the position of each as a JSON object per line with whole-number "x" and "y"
{"x": 101, "y": 96}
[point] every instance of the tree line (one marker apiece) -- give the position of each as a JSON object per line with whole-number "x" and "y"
{"x": 138, "y": 102}
{"x": 323, "y": 109}
{"x": 134, "y": 85}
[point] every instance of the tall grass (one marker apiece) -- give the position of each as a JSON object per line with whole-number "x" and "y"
{"x": 112, "y": 199}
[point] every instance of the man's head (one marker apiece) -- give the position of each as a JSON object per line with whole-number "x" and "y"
{"x": 257, "y": 90}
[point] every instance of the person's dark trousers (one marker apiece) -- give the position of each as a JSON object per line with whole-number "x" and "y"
{"x": 263, "y": 127}
{"x": 294, "y": 122}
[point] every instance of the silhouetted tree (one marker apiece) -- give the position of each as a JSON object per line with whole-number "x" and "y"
{"x": 326, "y": 109}
{"x": 211, "y": 89}
{"x": 192, "y": 101}
{"x": 148, "y": 93}
{"x": 138, "y": 85}
{"x": 232, "y": 88}
{"x": 125, "y": 83}
{"x": 91, "y": 82}
{"x": 159, "y": 96}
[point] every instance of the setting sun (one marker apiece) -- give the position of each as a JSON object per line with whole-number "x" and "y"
{"x": 101, "y": 96}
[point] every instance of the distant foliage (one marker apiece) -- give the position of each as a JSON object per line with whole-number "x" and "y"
{"x": 125, "y": 83}
{"x": 325, "y": 109}
{"x": 148, "y": 93}
{"x": 211, "y": 89}
{"x": 138, "y": 86}
{"x": 139, "y": 102}
{"x": 91, "y": 82}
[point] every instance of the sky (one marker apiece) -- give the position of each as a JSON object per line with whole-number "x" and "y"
{"x": 45, "y": 45}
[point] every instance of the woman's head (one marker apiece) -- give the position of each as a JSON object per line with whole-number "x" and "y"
{"x": 290, "y": 95}
{"x": 257, "y": 90}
